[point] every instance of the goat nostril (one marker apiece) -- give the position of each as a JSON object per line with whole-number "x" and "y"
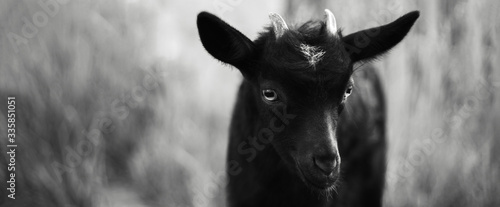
{"x": 327, "y": 166}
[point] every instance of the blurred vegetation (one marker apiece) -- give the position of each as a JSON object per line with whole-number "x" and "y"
{"x": 119, "y": 105}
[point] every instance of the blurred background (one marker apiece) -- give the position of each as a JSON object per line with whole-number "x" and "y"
{"x": 118, "y": 104}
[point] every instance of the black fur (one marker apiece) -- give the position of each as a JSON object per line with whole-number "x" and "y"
{"x": 302, "y": 150}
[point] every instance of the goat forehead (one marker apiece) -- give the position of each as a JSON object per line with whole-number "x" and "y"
{"x": 300, "y": 55}
{"x": 305, "y": 57}
{"x": 309, "y": 64}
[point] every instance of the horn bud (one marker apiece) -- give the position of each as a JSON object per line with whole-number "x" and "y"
{"x": 279, "y": 25}
{"x": 331, "y": 23}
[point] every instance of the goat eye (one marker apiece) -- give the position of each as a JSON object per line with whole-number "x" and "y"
{"x": 348, "y": 91}
{"x": 269, "y": 95}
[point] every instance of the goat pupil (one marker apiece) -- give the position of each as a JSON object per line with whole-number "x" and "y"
{"x": 348, "y": 91}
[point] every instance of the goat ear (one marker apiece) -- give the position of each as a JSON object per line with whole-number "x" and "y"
{"x": 224, "y": 42}
{"x": 369, "y": 44}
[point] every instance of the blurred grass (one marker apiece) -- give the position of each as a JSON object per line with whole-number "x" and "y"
{"x": 65, "y": 79}
{"x": 441, "y": 85}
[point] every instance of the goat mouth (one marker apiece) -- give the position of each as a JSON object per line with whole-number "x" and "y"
{"x": 324, "y": 186}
